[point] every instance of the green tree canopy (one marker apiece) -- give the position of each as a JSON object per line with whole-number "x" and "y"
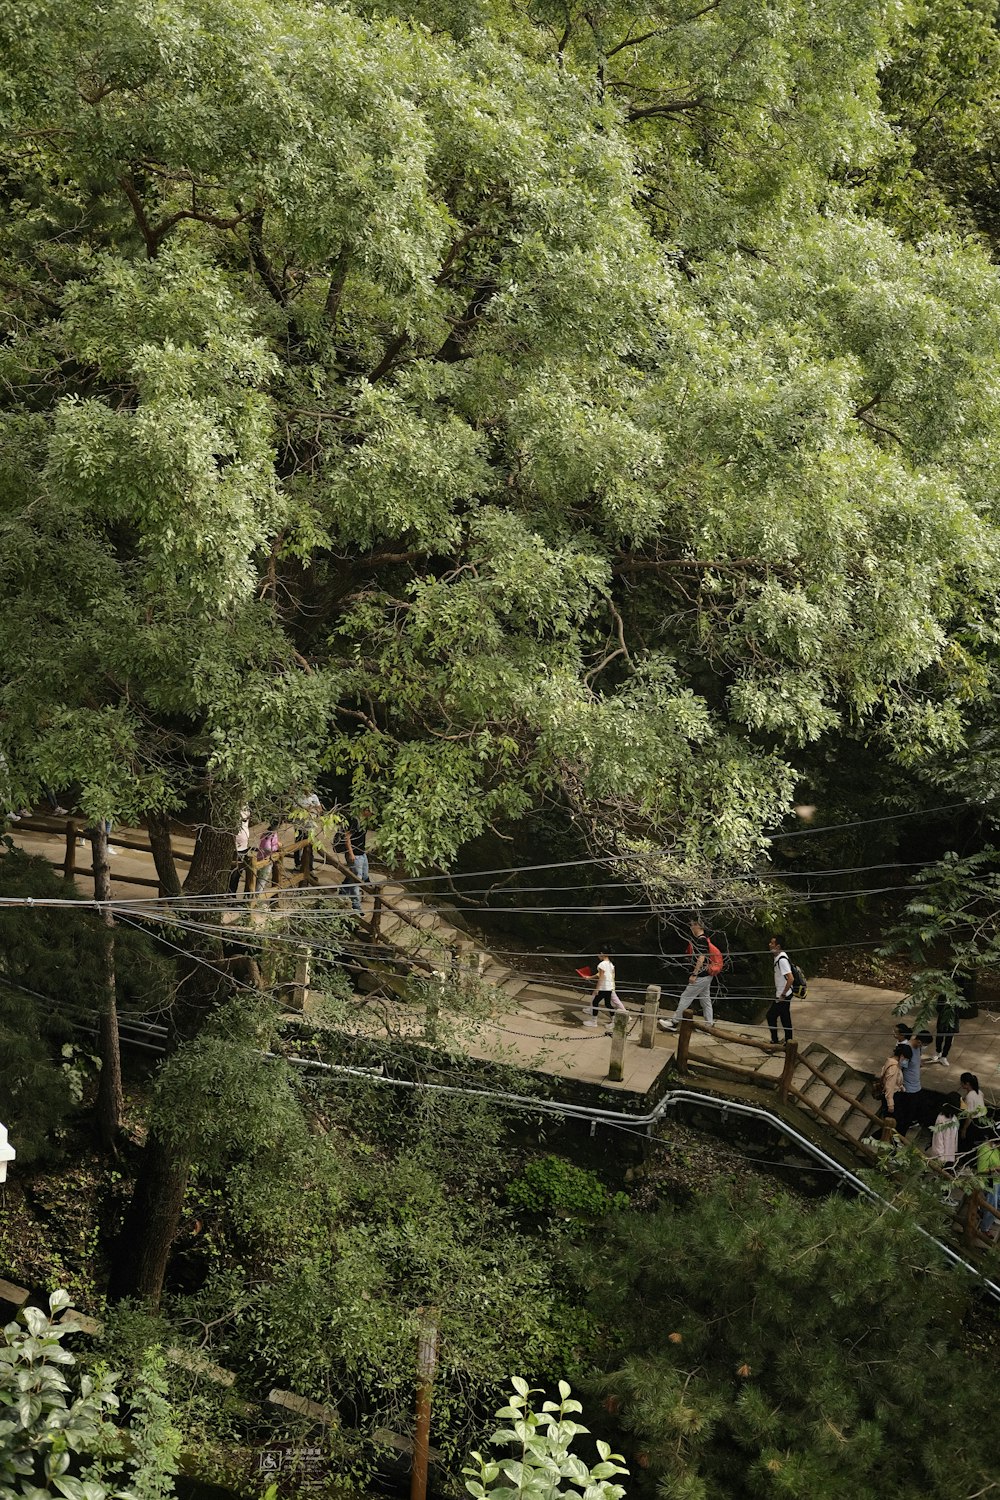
{"x": 497, "y": 407}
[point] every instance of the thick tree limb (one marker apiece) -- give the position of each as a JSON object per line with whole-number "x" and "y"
{"x": 668, "y": 107}
{"x": 153, "y": 234}
{"x": 158, "y": 828}
{"x": 392, "y": 352}
{"x": 260, "y": 258}
{"x": 453, "y": 347}
{"x": 862, "y": 414}
{"x": 335, "y": 291}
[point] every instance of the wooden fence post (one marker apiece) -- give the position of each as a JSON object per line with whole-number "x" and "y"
{"x": 684, "y": 1043}
{"x": 300, "y": 986}
{"x": 791, "y": 1061}
{"x": 376, "y": 914}
{"x": 427, "y": 1350}
{"x": 432, "y": 1012}
{"x": 616, "y": 1068}
{"x": 649, "y": 1010}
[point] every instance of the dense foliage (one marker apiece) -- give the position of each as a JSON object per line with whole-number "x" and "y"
{"x": 502, "y": 405}
{"x": 50, "y": 984}
{"x": 760, "y": 1350}
{"x": 58, "y": 1435}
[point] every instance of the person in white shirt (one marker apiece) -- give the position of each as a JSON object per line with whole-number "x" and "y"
{"x": 242, "y": 837}
{"x": 973, "y": 1118}
{"x": 944, "y": 1136}
{"x": 784, "y": 982}
{"x": 604, "y": 988}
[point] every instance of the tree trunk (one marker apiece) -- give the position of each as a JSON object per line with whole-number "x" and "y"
{"x": 150, "y": 1225}
{"x": 158, "y": 826}
{"x": 214, "y": 850}
{"x": 109, "y": 1089}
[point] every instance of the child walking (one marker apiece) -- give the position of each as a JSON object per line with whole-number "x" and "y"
{"x": 944, "y": 1137}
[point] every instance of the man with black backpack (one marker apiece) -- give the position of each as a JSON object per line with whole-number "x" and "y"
{"x": 707, "y": 962}
{"x": 788, "y": 981}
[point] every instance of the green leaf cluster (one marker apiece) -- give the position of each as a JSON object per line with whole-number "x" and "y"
{"x": 550, "y": 1184}
{"x": 545, "y": 1468}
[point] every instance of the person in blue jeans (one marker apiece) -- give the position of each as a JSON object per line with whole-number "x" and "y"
{"x": 351, "y": 841}
{"x": 908, "y": 1103}
{"x": 988, "y": 1167}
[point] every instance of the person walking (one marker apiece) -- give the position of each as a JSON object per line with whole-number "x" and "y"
{"x": 988, "y": 1167}
{"x": 604, "y": 989}
{"x": 945, "y": 1031}
{"x": 268, "y": 850}
{"x": 784, "y": 982}
{"x": 242, "y": 849}
{"x": 344, "y": 845}
{"x": 707, "y": 962}
{"x": 891, "y": 1080}
{"x": 359, "y": 841}
{"x": 308, "y": 811}
{"x": 908, "y": 1103}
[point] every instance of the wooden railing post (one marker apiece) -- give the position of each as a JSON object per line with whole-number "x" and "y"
{"x": 69, "y": 863}
{"x": 616, "y": 1068}
{"x": 300, "y": 986}
{"x": 649, "y": 1010}
{"x": 433, "y": 1010}
{"x": 684, "y": 1043}
{"x": 791, "y": 1061}
{"x": 376, "y": 913}
{"x": 888, "y": 1127}
{"x": 650, "y": 1007}
{"x": 427, "y": 1353}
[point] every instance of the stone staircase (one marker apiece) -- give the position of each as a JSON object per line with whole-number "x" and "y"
{"x": 831, "y": 1091}
{"x": 422, "y": 932}
{"x": 840, "y": 1096}
{"x": 812, "y": 1079}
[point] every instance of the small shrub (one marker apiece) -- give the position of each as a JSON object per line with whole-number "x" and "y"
{"x": 549, "y": 1184}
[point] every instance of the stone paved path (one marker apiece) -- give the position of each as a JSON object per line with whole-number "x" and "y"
{"x": 541, "y": 1025}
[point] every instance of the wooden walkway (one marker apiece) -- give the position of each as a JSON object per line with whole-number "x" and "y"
{"x": 845, "y": 1029}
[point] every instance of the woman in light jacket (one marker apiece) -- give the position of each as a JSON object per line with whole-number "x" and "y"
{"x": 892, "y": 1078}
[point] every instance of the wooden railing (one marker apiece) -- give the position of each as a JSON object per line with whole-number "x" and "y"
{"x": 783, "y": 1084}
{"x": 73, "y": 829}
{"x": 973, "y": 1201}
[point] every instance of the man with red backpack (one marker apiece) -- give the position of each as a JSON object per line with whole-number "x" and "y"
{"x": 707, "y": 963}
